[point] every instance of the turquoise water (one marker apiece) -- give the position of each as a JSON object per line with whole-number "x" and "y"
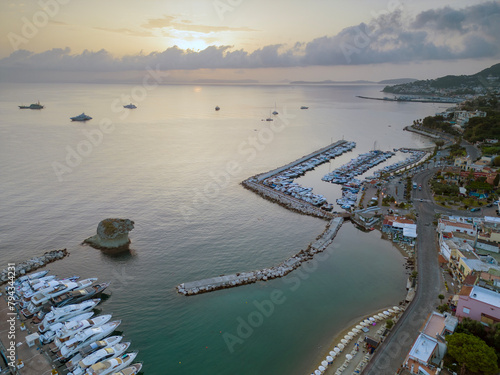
{"x": 157, "y": 166}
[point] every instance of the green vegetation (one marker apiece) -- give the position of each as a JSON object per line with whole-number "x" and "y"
{"x": 481, "y": 128}
{"x": 439, "y": 123}
{"x": 456, "y": 150}
{"x": 443, "y": 188}
{"x": 443, "y": 308}
{"x": 472, "y": 353}
{"x": 389, "y": 323}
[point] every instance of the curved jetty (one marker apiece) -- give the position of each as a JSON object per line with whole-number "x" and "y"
{"x": 282, "y": 269}
{"x": 33, "y": 264}
{"x": 278, "y": 186}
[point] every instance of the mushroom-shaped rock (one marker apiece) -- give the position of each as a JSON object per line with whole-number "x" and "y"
{"x": 112, "y": 234}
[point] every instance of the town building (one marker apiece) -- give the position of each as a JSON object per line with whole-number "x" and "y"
{"x": 478, "y": 303}
{"x": 400, "y": 229}
{"x": 429, "y": 348}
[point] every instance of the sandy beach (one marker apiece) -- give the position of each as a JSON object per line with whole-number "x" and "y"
{"x": 355, "y": 347}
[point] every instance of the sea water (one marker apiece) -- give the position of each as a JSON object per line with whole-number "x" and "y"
{"x": 174, "y": 166}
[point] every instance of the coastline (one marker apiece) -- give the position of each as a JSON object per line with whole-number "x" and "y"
{"x": 336, "y": 339}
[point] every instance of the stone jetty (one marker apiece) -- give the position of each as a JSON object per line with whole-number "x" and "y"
{"x": 282, "y": 269}
{"x": 33, "y": 264}
{"x": 291, "y": 203}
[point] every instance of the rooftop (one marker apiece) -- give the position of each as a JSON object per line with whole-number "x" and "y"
{"x": 457, "y": 224}
{"x": 435, "y": 325}
{"x": 486, "y": 296}
{"x": 423, "y": 348}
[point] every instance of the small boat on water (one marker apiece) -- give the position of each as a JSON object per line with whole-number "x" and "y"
{"x": 91, "y": 348}
{"x": 79, "y": 295}
{"x": 50, "y": 333}
{"x": 82, "y": 117}
{"x": 132, "y": 370}
{"x": 70, "y": 329}
{"x": 110, "y": 366}
{"x": 61, "y": 314}
{"x": 84, "y": 338}
{"x": 304, "y": 107}
{"x": 36, "y": 105}
{"x": 217, "y": 108}
{"x": 130, "y": 106}
{"x": 99, "y": 356}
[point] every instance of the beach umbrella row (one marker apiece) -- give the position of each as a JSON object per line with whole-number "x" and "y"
{"x": 350, "y": 335}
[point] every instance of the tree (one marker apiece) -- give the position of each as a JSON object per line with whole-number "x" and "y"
{"x": 389, "y": 323}
{"x": 496, "y": 161}
{"x": 441, "y": 297}
{"x": 496, "y": 181}
{"x": 472, "y": 353}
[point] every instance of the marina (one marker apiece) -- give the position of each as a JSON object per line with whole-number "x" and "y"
{"x": 58, "y": 340}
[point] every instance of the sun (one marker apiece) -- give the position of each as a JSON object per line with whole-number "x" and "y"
{"x": 188, "y": 40}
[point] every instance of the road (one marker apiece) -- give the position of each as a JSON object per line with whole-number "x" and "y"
{"x": 392, "y": 353}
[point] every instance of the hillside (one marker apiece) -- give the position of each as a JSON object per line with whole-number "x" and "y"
{"x": 451, "y": 85}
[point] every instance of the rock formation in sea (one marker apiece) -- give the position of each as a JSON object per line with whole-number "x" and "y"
{"x": 112, "y": 234}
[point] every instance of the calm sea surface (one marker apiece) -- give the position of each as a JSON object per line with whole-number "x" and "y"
{"x": 173, "y": 165}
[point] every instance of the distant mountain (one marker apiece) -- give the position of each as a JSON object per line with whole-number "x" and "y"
{"x": 225, "y": 81}
{"x": 450, "y": 85}
{"x": 328, "y": 82}
{"x": 397, "y": 81}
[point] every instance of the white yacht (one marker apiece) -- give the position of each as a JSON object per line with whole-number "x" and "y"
{"x": 61, "y": 314}
{"x": 91, "y": 348}
{"x": 112, "y": 365}
{"x": 99, "y": 356}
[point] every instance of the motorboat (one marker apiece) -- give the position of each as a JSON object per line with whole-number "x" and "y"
{"x": 131, "y": 370}
{"x": 99, "y": 356}
{"x": 79, "y": 295}
{"x": 70, "y": 329}
{"x": 112, "y": 365}
{"x": 36, "y": 105}
{"x": 82, "y": 117}
{"x": 130, "y": 106}
{"x": 91, "y": 348}
{"x": 33, "y": 276}
{"x": 304, "y": 107}
{"x": 61, "y": 314}
{"x": 84, "y": 338}
{"x": 50, "y": 334}
{"x": 44, "y": 295}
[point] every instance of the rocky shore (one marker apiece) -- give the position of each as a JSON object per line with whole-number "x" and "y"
{"x": 282, "y": 269}
{"x": 33, "y": 264}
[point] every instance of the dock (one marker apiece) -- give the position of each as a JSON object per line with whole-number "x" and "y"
{"x": 15, "y": 342}
{"x": 282, "y": 269}
{"x": 263, "y": 176}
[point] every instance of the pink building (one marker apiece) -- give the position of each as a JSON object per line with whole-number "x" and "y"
{"x": 479, "y": 304}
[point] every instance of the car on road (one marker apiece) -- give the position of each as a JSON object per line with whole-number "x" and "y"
{"x": 475, "y": 209}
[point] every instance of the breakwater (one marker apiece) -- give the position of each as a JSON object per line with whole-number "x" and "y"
{"x": 278, "y": 187}
{"x": 289, "y": 202}
{"x": 282, "y": 269}
{"x": 33, "y": 264}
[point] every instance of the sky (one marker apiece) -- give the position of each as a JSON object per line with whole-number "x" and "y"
{"x": 264, "y": 40}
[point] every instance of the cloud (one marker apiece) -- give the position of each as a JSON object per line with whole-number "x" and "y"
{"x": 141, "y": 33}
{"x": 439, "y": 34}
{"x": 186, "y": 25}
